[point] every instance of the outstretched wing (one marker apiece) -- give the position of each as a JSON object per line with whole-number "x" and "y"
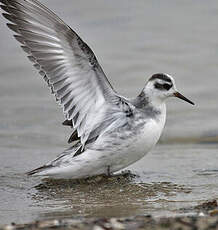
{"x": 67, "y": 64}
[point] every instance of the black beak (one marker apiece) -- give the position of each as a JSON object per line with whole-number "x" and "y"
{"x": 179, "y": 95}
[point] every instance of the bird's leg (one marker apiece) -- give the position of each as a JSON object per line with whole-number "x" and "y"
{"x": 108, "y": 171}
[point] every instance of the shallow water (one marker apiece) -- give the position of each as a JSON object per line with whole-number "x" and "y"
{"x": 132, "y": 40}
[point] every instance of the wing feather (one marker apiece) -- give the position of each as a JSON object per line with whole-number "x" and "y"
{"x": 66, "y": 63}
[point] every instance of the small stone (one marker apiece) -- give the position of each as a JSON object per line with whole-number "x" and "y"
{"x": 201, "y": 214}
{"x": 116, "y": 224}
{"x": 214, "y": 212}
{"x": 96, "y": 227}
{"x": 49, "y": 224}
{"x": 9, "y": 227}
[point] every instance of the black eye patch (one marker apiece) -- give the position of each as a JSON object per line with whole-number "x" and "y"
{"x": 162, "y": 86}
{"x": 167, "y": 86}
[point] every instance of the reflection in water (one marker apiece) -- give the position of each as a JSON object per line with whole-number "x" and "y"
{"x": 115, "y": 196}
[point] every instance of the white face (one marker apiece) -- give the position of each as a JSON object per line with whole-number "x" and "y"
{"x": 161, "y": 86}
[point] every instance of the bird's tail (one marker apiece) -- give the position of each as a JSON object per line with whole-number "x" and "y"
{"x": 54, "y": 166}
{"x": 39, "y": 170}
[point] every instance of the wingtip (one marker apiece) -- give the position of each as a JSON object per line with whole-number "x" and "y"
{"x": 8, "y": 16}
{"x": 13, "y": 27}
{"x": 3, "y": 3}
{"x": 67, "y": 123}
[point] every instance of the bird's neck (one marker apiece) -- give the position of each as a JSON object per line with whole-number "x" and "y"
{"x": 151, "y": 106}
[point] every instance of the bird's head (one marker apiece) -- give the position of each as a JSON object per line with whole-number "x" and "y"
{"x": 160, "y": 86}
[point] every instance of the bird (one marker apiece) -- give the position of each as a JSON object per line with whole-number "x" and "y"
{"x": 109, "y": 131}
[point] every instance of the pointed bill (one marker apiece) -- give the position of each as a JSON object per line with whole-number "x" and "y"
{"x": 179, "y": 95}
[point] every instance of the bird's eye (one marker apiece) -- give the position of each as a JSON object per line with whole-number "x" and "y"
{"x": 167, "y": 86}
{"x": 158, "y": 86}
{"x": 162, "y": 86}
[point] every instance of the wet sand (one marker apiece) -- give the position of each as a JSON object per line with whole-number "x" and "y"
{"x": 203, "y": 216}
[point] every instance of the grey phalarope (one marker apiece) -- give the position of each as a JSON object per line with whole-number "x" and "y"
{"x": 110, "y": 131}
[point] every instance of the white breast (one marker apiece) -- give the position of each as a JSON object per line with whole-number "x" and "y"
{"x": 151, "y": 132}
{"x": 149, "y": 135}
{"x": 141, "y": 143}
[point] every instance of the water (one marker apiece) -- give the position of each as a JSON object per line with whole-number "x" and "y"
{"x": 132, "y": 40}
